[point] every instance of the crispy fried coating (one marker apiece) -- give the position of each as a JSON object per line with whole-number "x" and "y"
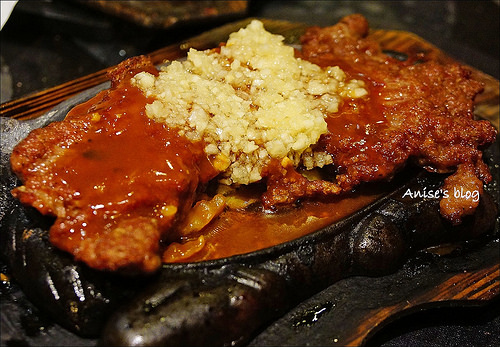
{"x": 416, "y": 110}
{"x": 115, "y": 180}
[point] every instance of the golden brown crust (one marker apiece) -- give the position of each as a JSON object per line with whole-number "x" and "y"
{"x": 423, "y": 112}
{"x": 115, "y": 180}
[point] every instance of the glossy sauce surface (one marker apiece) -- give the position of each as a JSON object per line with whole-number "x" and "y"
{"x": 239, "y": 232}
{"x": 357, "y": 130}
{"x": 126, "y": 166}
{"x": 126, "y": 154}
{"x": 353, "y": 128}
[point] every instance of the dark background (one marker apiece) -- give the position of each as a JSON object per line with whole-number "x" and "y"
{"x": 46, "y": 43}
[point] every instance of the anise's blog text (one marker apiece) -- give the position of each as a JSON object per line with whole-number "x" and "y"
{"x": 442, "y": 193}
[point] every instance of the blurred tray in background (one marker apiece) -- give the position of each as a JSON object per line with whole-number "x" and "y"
{"x": 164, "y": 14}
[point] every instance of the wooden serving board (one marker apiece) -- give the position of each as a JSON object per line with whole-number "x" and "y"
{"x": 466, "y": 280}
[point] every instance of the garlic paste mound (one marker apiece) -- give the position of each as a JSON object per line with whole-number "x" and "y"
{"x": 250, "y": 101}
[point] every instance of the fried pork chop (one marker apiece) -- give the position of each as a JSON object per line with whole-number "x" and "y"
{"x": 414, "y": 111}
{"x": 119, "y": 182}
{"x": 115, "y": 180}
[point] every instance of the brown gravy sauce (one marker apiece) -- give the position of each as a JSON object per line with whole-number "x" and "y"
{"x": 100, "y": 165}
{"x": 125, "y": 165}
{"x": 237, "y": 232}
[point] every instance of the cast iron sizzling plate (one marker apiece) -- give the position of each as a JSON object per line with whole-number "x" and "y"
{"x": 233, "y": 300}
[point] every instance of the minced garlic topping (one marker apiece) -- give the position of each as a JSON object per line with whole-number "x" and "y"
{"x": 251, "y": 102}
